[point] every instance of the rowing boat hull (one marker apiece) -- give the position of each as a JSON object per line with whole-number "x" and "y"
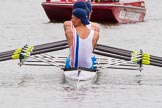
{"x": 80, "y": 78}
{"x": 112, "y": 12}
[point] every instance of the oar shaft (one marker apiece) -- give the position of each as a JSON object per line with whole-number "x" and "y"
{"x": 155, "y": 61}
{"x": 112, "y": 55}
{"x": 37, "y": 47}
{"x": 156, "y": 58}
{"x": 38, "y": 52}
{"x": 49, "y": 50}
{"x": 6, "y": 53}
{"x": 156, "y": 64}
{"x": 114, "y": 48}
{"x": 52, "y": 44}
{"x": 114, "y": 51}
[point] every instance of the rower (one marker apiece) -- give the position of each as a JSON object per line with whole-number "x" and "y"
{"x": 88, "y": 7}
{"x": 81, "y": 41}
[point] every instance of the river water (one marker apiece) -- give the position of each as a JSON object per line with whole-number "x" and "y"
{"x": 24, "y": 22}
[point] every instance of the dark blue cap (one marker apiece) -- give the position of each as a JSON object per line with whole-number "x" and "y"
{"x": 81, "y": 14}
{"x": 89, "y": 6}
{"x": 82, "y": 5}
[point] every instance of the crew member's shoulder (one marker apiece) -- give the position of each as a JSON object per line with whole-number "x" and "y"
{"x": 67, "y": 23}
{"x": 95, "y": 26}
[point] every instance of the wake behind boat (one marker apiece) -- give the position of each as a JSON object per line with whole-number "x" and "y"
{"x": 111, "y": 11}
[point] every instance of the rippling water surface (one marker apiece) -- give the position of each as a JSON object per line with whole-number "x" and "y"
{"x": 24, "y": 22}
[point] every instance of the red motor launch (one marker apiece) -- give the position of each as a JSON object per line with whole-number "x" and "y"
{"x": 109, "y": 11}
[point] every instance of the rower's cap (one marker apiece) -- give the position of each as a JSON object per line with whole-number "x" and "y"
{"x": 89, "y": 6}
{"x": 81, "y": 14}
{"x": 82, "y": 5}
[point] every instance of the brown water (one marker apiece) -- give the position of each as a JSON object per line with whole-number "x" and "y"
{"x": 24, "y": 22}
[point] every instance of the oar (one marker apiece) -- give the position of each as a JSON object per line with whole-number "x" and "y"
{"x": 144, "y": 61}
{"x": 112, "y": 55}
{"x": 37, "y": 47}
{"x": 127, "y": 53}
{"x": 17, "y": 56}
{"x": 109, "y": 48}
{"x": 112, "y": 50}
{"x": 49, "y": 50}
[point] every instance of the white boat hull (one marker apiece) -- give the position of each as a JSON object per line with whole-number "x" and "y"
{"x": 79, "y": 78}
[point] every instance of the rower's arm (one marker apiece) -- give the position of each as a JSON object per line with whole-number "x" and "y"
{"x": 68, "y": 32}
{"x": 95, "y": 39}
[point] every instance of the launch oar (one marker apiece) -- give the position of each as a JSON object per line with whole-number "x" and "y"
{"x": 37, "y": 47}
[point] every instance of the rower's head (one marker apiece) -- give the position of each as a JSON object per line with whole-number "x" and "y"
{"x": 79, "y": 16}
{"x": 82, "y": 5}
